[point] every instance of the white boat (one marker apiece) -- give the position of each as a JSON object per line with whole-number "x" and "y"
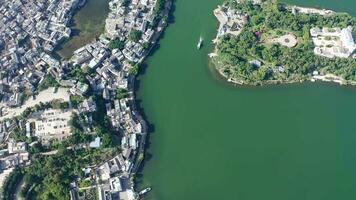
{"x": 144, "y": 191}
{"x": 200, "y": 43}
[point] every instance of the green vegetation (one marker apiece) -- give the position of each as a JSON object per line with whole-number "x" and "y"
{"x": 146, "y": 45}
{"x": 102, "y": 125}
{"x": 135, "y": 35}
{"x": 10, "y": 184}
{"x": 116, "y": 44}
{"x": 19, "y": 135}
{"x": 25, "y": 95}
{"x": 24, "y": 189}
{"x": 78, "y": 135}
{"x": 48, "y": 82}
{"x": 159, "y": 7}
{"x": 36, "y": 148}
{"x": 84, "y": 183}
{"x": 158, "y": 12}
{"x": 279, "y": 63}
{"x": 78, "y": 74}
{"x": 55, "y": 104}
{"x": 88, "y": 71}
{"x": 121, "y": 93}
{"x": 50, "y": 176}
{"x": 133, "y": 70}
{"x": 75, "y": 100}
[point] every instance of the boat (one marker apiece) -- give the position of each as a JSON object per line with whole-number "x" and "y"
{"x": 144, "y": 191}
{"x": 200, "y": 43}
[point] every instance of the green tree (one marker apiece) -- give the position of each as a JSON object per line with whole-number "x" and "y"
{"x": 11, "y": 183}
{"x": 135, "y": 35}
{"x": 116, "y": 44}
{"x": 133, "y": 70}
{"x": 48, "y": 82}
{"x": 121, "y": 93}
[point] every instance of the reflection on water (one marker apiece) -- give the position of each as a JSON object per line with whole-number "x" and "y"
{"x": 88, "y": 23}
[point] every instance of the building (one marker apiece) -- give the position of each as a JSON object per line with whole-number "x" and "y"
{"x": 333, "y": 42}
{"x": 16, "y": 147}
{"x": 52, "y": 125}
{"x": 347, "y": 39}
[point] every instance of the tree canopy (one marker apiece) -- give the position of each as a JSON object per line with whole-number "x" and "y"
{"x": 135, "y": 35}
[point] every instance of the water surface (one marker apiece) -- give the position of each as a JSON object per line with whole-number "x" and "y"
{"x": 88, "y": 24}
{"x": 214, "y": 141}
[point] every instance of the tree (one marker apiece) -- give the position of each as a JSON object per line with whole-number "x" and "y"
{"x": 11, "y": 183}
{"x": 133, "y": 70}
{"x": 116, "y": 44}
{"x": 121, "y": 93}
{"x": 76, "y": 100}
{"x": 135, "y": 35}
{"x": 78, "y": 74}
{"x": 18, "y": 134}
{"x": 48, "y": 82}
{"x": 88, "y": 71}
{"x": 146, "y": 45}
{"x": 159, "y": 7}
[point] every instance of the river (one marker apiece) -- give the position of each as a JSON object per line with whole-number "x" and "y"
{"x": 213, "y": 141}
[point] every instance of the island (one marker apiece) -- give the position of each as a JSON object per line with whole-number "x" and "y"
{"x": 267, "y": 42}
{"x": 70, "y": 129}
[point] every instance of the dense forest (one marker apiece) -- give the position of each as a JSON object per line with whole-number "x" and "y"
{"x": 272, "y": 18}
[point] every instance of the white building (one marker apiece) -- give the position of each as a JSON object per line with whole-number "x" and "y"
{"x": 333, "y": 42}
{"x": 347, "y": 39}
{"x": 53, "y": 125}
{"x": 16, "y": 147}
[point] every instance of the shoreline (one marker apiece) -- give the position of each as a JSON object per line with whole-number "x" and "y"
{"x": 223, "y": 80}
{"x": 132, "y": 129}
{"x": 328, "y": 77}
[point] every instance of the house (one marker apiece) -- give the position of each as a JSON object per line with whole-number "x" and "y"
{"x": 16, "y": 147}
{"x": 88, "y": 105}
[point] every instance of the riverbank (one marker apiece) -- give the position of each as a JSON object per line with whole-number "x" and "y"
{"x": 259, "y": 52}
{"x": 99, "y": 80}
{"x": 314, "y": 78}
{"x": 261, "y": 137}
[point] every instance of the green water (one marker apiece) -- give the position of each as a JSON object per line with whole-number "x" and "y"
{"x": 214, "y": 141}
{"x": 88, "y": 23}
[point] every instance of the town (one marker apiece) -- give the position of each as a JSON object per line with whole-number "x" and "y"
{"x": 48, "y": 101}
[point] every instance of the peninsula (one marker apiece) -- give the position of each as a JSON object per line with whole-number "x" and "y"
{"x": 69, "y": 129}
{"x": 266, "y": 42}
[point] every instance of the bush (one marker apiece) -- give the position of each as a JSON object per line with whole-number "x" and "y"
{"x": 121, "y": 93}
{"x": 135, "y": 35}
{"x": 116, "y": 44}
{"x": 48, "y": 82}
{"x": 12, "y": 181}
{"x": 133, "y": 70}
